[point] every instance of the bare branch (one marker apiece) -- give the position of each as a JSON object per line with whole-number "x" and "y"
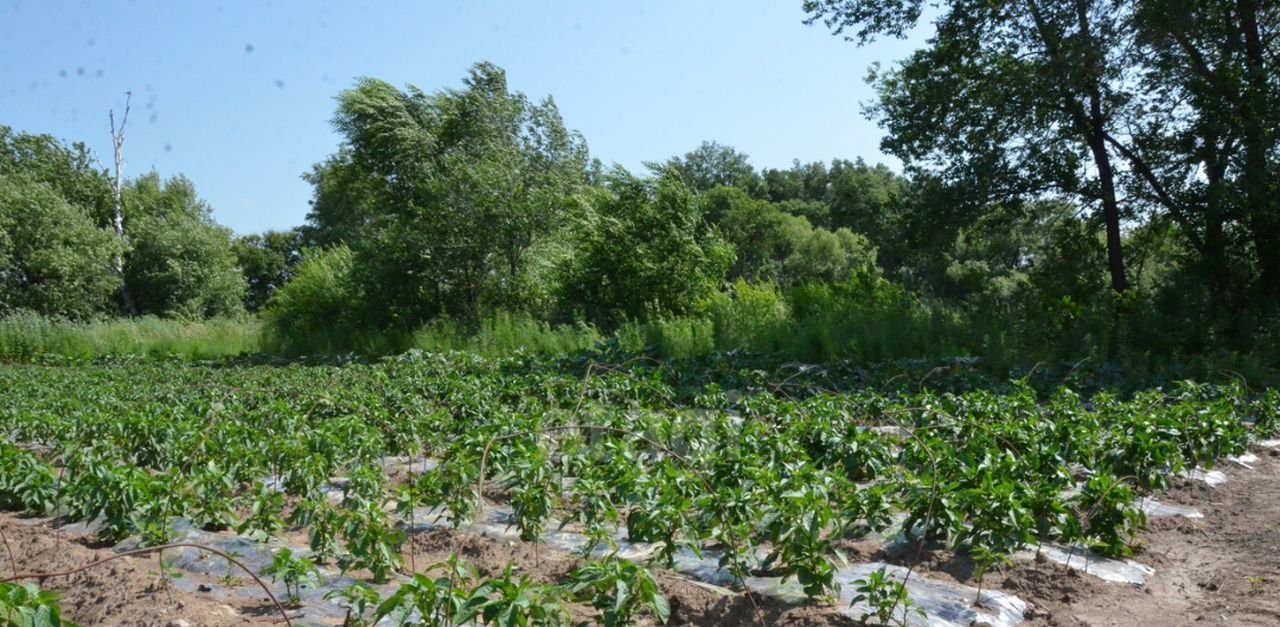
{"x": 117, "y": 217}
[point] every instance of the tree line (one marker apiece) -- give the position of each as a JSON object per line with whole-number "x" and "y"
{"x": 1099, "y": 174}
{"x": 1155, "y": 114}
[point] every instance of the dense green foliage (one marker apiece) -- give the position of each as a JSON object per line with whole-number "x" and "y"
{"x": 961, "y": 256}
{"x": 267, "y": 261}
{"x": 648, "y": 251}
{"x": 70, "y": 170}
{"x": 441, "y": 196}
{"x": 61, "y": 257}
{"x": 53, "y": 259}
{"x": 1048, "y": 211}
{"x": 1158, "y": 119}
{"x": 724, "y": 455}
{"x": 30, "y": 337}
{"x": 180, "y": 263}
{"x": 314, "y": 305}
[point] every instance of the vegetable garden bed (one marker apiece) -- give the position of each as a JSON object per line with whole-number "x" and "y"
{"x": 780, "y": 496}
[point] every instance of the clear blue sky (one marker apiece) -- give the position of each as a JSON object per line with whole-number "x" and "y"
{"x": 238, "y": 95}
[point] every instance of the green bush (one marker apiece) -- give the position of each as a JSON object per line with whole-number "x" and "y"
{"x": 181, "y": 263}
{"x": 53, "y": 259}
{"x": 648, "y": 253}
{"x": 318, "y": 310}
{"x": 753, "y": 317}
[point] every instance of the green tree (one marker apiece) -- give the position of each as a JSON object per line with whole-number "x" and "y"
{"x": 649, "y": 251}
{"x": 1013, "y": 249}
{"x": 773, "y": 245}
{"x": 53, "y": 259}
{"x": 1154, "y": 110}
{"x": 1210, "y": 162}
{"x": 316, "y": 302}
{"x": 180, "y": 264}
{"x": 712, "y": 165}
{"x": 824, "y": 255}
{"x": 69, "y": 169}
{"x": 441, "y": 196}
{"x": 1007, "y": 99}
{"x": 803, "y": 181}
{"x": 344, "y": 201}
{"x": 864, "y": 199}
{"x": 266, "y": 261}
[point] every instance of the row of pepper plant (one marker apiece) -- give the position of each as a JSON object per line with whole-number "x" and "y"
{"x": 771, "y": 467}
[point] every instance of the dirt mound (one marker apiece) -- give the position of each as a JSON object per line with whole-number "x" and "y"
{"x": 125, "y": 591}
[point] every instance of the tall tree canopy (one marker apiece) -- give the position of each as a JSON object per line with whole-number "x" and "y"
{"x": 54, "y": 207}
{"x": 1145, "y": 109}
{"x": 53, "y": 259}
{"x": 1204, "y": 135}
{"x": 267, "y": 261}
{"x": 441, "y": 195}
{"x": 180, "y": 263}
{"x": 71, "y": 170}
{"x": 773, "y": 245}
{"x": 712, "y": 165}
{"x": 1008, "y": 99}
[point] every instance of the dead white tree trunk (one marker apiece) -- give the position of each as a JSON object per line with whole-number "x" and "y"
{"x": 117, "y": 217}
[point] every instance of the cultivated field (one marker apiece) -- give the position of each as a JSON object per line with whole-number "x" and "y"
{"x": 447, "y": 489}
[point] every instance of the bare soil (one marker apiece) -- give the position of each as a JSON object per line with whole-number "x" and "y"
{"x": 1223, "y": 569}
{"x": 125, "y": 591}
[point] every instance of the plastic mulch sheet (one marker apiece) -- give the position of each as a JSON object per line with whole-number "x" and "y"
{"x": 1211, "y": 478}
{"x": 944, "y": 603}
{"x": 212, "y": 574}
{"x": 1083, "y": 560}
{"x": 1155, "y": 508}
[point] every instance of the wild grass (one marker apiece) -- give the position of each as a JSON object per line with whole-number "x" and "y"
{"x": 26, "y": 336}
{"x": 811, "y": 326}
{"x": 505, "y": 333}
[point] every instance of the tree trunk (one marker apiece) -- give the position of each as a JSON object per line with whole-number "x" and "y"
{"x": 1263, "y": 221}
{"x": 1090, "y": 124}
{"x": 1110, "y": 209}
{"x": 1097, "y": 137}
{"x": 117, "y": 216}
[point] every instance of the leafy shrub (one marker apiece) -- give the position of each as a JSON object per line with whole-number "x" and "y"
{"x": 747, "y": 316}
{"x": 312, "y": 311}
{"x": 619, "y": 588}
{"x": 885, "y": 596}
{"x": 26, "y": 605}
{"x": 180, "y": 264}
{"x": 53, "y": 259}
{"x": 294, "y": 571}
